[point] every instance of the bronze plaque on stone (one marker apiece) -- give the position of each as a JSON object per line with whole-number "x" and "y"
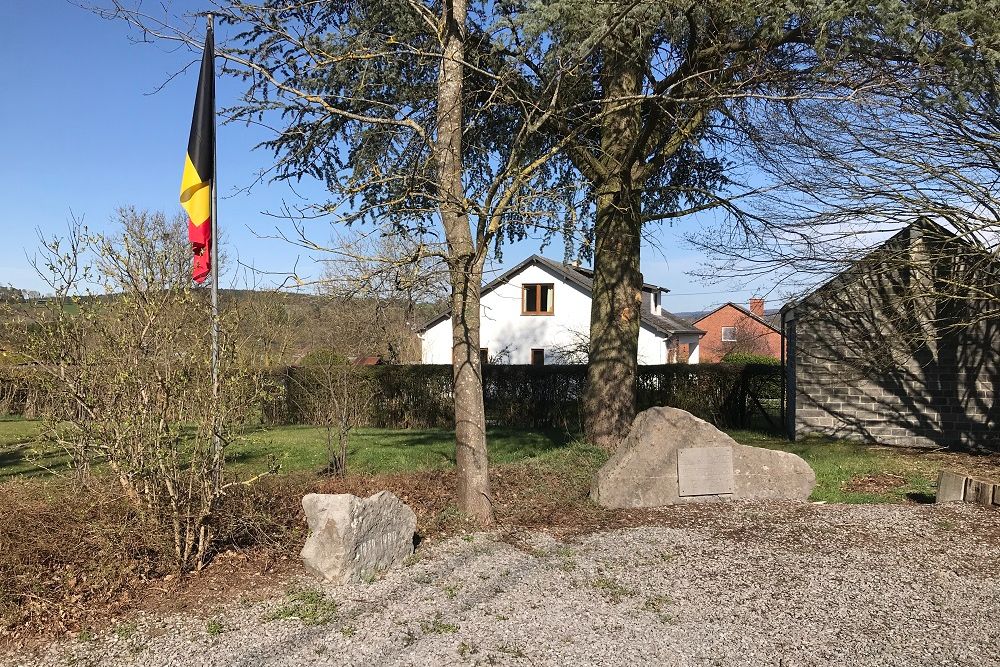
{"x": 705, "y": 471}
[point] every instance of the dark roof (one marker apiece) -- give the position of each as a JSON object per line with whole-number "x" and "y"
{"x": 589, "y": 274}
{"x": 771, "y": 319}
{"x": 665, "y": 323}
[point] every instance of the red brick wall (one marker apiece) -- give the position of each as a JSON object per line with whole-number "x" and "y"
{"x": 753, "y": 336}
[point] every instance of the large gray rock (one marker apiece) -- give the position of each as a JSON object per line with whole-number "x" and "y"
{"x": 670, "y": 456}
{"x": 351, "y": 538}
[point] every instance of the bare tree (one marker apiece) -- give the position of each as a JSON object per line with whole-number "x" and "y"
{"x": 372, "y": 289}
{"x": 576, "y": 349}
{"x": 845, "y": 176}
{"x": 383, "y": 275}
{"x": 123, "y": 349}
{"x": 337, "y": 394}
{"x": 749, "y": 337}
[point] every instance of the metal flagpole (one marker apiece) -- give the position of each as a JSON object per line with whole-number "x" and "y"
{"x": 216, "y": 445}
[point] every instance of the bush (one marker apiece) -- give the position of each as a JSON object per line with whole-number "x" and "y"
{"x": 123, "y": 377}
{"x": 70, "y": 557}
{"x": 323, "y": 356}
{"x": 747, "y": 358}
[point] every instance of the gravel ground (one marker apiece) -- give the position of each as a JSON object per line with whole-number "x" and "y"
{"x": 730, "y": 584}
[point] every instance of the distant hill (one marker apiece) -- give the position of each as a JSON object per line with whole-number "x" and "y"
{"x": 305, "y": 323}
{"x": 11, "y": 294}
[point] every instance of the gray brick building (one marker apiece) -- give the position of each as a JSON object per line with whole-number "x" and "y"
{"x": 903, "y": 348}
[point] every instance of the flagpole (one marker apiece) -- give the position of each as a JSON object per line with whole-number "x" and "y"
{"x": 216, "y": 445}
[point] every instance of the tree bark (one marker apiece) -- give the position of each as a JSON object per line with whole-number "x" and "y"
{"x": 466, "y": 272}
{"x": 609, "y": 405}
{"x": 473, "y": 488}
{"x": 614, "y": 321}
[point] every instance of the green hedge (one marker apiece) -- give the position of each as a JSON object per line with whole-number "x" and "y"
{"x": 537, "y": 397}
{"x": 412, "y": 396}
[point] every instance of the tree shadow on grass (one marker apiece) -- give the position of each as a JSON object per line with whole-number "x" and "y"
{"x": 384, "y": 450}
{"x": 20, "y": 461}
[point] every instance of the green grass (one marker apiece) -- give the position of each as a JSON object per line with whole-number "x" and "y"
{"x": 373, "y": 451}
{"x": 839, "y": 465}
{"x": 300, "y": 448}
{"x": 838, "y": 462}
{"x": 15, "y": 430}
{"x": 21, "y": 454}
{"x": 308, "y": 605}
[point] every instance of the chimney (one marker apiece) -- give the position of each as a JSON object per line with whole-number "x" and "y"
{"x": 757, "y": 307}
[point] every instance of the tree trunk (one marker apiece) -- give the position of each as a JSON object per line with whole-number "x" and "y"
{"x": 466, "y": 272}
{"x": 470, "y": 415}
{"x": 614, "y": 321}
{"x": 609, "y": 405}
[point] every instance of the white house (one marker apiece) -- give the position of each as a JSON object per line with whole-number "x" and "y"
{"x": 539, "y": 313}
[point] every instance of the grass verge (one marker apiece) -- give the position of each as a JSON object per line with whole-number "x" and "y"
{"x": 849, "y": 472}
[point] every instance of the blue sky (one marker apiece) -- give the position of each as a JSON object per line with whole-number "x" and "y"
{"x": 85, "y": 132}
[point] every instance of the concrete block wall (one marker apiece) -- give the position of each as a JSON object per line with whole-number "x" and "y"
{"x": 875, "y": 363}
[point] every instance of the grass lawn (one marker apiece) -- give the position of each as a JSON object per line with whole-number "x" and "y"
{"x": 845, "y": 472}
{"x": 19, "y": 454}
{"x": 373, "y": 451}
{"x": 848, "y": 472}
{"x": 300, "y": 448}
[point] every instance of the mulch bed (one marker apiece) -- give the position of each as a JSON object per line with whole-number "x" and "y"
{"x": 74, "y": 560}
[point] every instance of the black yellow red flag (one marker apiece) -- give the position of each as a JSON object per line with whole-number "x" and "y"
{"x": 199, "y": 166}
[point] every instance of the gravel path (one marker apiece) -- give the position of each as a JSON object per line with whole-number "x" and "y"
{"x": 738, "y": 584}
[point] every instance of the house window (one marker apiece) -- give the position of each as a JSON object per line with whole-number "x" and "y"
{"x": 484, "y": 356}
{"x": 728, "y": 334}
{"x": 537, "y": 357}
{"x": 537, "y": 299}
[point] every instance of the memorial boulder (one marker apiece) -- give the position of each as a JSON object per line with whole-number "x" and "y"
{"x": 670, "y": 457}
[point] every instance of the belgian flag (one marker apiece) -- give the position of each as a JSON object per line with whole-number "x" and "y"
{"x": 199, "y": 166}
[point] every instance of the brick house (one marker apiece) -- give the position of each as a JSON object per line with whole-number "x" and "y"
{"x": 733, "y": 328}
{"x": 900, "y": 349}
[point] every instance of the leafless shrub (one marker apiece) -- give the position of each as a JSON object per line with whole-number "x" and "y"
{"x": 124, "y": 350}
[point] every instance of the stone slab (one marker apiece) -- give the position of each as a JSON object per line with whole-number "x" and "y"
{"x": 643, "y": 472}
{"x": 979, "y": 491}
{"x": 705, "y": 471}
{"x": 950, "y": 487}
{"x": 351, "y": 538}
{"x": 996, "y": 494}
